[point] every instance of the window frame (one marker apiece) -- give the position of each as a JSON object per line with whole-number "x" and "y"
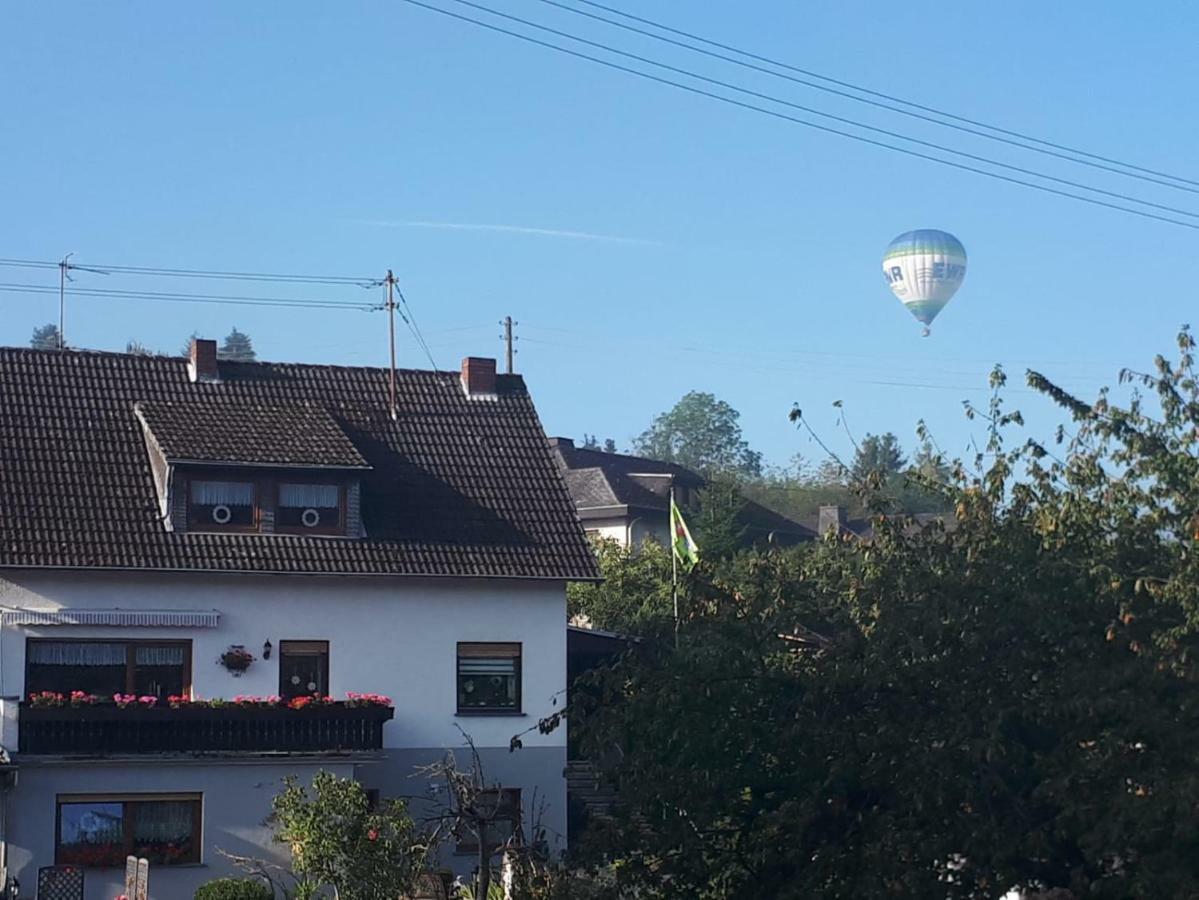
{"x": 324, "y": 666}
{"x": 469, "y": 844}
{"x": 266, "y": 500}
{"x": 517, "y": 709}
{"x": 342, "y": 494}
{"x": 195, "y": 525}
{"x": 130, "y": 658}
{"x": 196, "y": 850}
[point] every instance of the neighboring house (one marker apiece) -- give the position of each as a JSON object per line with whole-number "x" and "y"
{"x": 156, "y": 513}
{"x": 627, "y": 498}
{"x": 835, "y": 518}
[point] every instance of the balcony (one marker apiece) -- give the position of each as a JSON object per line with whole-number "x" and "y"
{"x": 108, "y": 730}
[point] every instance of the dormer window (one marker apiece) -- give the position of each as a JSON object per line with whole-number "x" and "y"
{"x": 222, "y": 505}
{"x": 222, "y": 466}
{"x": 310, "y": 508}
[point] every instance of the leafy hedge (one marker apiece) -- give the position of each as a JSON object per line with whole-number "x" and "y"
{"x": 234, "y": 889}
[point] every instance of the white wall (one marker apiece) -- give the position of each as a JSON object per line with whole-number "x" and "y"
{"x": 643, "y": 528}
{"x": 236, "y": 802}
{"x": 389, "y": 635}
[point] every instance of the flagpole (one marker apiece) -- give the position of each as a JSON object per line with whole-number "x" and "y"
{"x": 674, "y": 563}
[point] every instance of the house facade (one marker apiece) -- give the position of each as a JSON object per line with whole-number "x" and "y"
{"x": 626, "y": 498}
{"x": 180, "y": 533}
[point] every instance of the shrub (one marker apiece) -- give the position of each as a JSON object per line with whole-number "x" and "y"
{"x": 234, "y": 889}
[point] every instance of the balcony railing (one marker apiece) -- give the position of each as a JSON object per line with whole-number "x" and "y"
{"x": 107, "y": 730}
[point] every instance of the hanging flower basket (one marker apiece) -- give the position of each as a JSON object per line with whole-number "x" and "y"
{"x": 236, "y": 659}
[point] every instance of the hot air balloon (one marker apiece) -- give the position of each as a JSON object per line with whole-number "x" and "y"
{"x": 925, "y": 268}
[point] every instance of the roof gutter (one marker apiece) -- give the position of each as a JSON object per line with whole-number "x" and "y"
{"x": 150, "y": 570}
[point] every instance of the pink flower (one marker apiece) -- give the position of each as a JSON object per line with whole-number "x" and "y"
{"x": 123, "y": 700}
{"x": 356, "y": 699}
{"x": 148, "y": 701}
{"x": 372, "y": 835}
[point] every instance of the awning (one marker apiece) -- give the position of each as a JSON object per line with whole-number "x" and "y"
{"x": 144, "y": 618}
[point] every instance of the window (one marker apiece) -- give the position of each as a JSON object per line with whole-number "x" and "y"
{"x": 100, "y": 831}
{"x": 488, "y": 678}
{"x": 501, "y": 807}
{"x": 153, "y": 668}
{"x": 303, "y": 668}
{"x": 224, "y": 505}
{"x": 309, "y": 508}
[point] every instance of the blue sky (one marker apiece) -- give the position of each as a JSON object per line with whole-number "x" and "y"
{"x": 649, "y": 242}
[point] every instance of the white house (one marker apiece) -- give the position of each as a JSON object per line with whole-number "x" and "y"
{"x": 626, "y": 498}
{"x": 158, "y": 516}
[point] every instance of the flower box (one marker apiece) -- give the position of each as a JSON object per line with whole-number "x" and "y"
{"x": 197, "y": 729}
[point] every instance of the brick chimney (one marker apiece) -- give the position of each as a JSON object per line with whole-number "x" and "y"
{"x": 478, "y": 377}
{"x": 202, "y": 364}
{"x": 832, "y": 518}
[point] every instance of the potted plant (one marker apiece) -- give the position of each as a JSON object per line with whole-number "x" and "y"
{"x": 236, "y": 659}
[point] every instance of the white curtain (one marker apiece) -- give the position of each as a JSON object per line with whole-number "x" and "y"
{"x": 308, "y": 496}
{"x": 56, "y": 653}
{"x": 227, "y": 493}
{"x": 159, "y": 656}
{"x": 163, "y": 821}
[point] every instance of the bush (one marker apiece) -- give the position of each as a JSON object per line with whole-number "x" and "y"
{"x": 234, "y": 889}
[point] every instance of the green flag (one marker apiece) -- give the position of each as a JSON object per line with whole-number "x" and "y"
{"x": 685, "y": 549}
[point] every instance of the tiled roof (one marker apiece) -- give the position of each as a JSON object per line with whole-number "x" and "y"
{"x": 457, "y": 486}
{"x": 912, "y": 524}
{"x": 613, "y": 477}
{"x": 279, "y": 434}
{"x": 600, "y": 479}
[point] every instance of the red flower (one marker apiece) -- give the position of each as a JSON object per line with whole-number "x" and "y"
{"x": 372, "y": 835}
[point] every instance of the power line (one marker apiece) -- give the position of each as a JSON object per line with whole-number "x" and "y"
{"x": 873, "y": 93}
{"x": 169, "y": 297}
{"x": 798, "y": 121}
{"x": 410, "y": 321}
{"x": 285, "y": 278}
{"x": 932, "y": 145}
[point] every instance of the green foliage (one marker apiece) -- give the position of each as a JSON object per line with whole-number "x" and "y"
{"x": 45, "y": 337}
{"x": 337, "y": 841}
{"x": 635, "y": 595}
{"x": 237, "y": 347}
{"x": 591, "y": 442}
{"x": 878, "y": 455}
{"x": 719, "y": 529}
{"x": 234, "y": 889}
{"x": 703, "y": 434}
{"x": 1008, "y": 704}
{"x": 137, "y": 348}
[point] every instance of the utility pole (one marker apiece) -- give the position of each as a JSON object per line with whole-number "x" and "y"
{"x": 390, "y": 281}
{"x": 508, "y": 339}
{"x": 63, "y": 266}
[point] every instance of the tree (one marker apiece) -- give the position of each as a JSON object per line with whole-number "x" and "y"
{"x": 635, "y": 595}
{"x": 701, "y": 433}
{"x": 338, "y": 843}
{"x": 878, "y": 455}
{"x": 137, "y": 348}
{"x": 237, "y": 347}
{"x": 1009, "y": 704}
{"x": 482, "y": 813}
{"x": 591, "y": 442}
{"x": 46, "y": 337}
{"x": 720, "y": 529}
